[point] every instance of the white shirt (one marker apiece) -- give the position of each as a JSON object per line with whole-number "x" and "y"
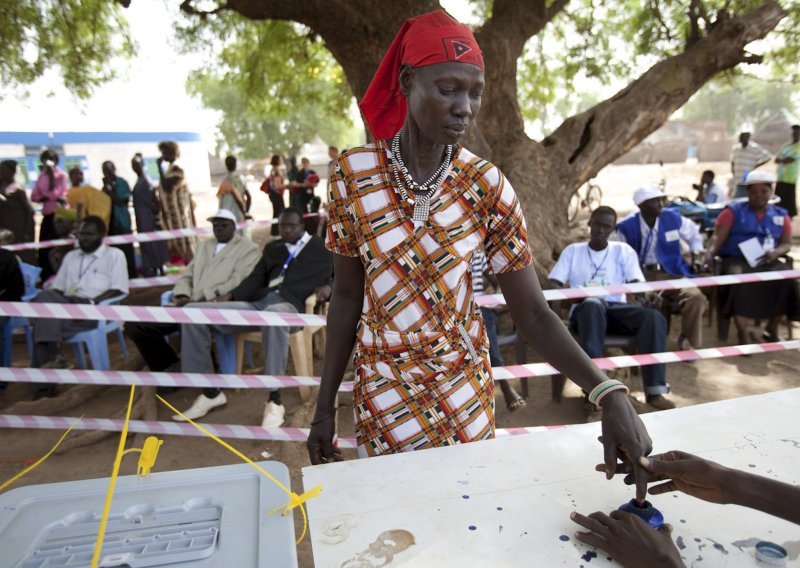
{"x": 89, "y": 275}
{"x": 579, "y": 265}
{"x": 744, "y": 159}
{"x": 714, "y": 193}
{"x": 218, "y": 248}
{"x": 688, "y": 232}
{"x": 298, "y": 246}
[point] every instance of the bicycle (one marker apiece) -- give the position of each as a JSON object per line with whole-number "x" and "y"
{"x": 591, "y": 198}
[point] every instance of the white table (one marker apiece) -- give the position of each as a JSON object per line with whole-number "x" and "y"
{"x": 506, "y": 502}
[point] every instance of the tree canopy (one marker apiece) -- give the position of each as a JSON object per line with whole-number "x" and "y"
{"x": 271, "y": 58}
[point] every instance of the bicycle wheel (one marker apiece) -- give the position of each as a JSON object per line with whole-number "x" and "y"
{"x": 573, "y": 207}
{"x": 594, "y": 196}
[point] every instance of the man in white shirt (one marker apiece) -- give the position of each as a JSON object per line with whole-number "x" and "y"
{"x": 89, "y": 274}
{"x": 655, "y": 234}
{"x": 708, "y": 191}
{"x": 745, "y": 157}
{"x": 601, "y": 263}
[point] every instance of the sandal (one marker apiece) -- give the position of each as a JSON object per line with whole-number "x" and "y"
{"x": 516, "y": 404}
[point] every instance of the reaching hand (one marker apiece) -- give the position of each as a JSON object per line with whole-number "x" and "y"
{"x": 694, "y": 476}
{"x": 624, "y": 438}
{"x": 628, "y": 539}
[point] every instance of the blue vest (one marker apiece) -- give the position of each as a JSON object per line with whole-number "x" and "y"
{"x": 668, "y": 253}
{"x": 746, "y": 226}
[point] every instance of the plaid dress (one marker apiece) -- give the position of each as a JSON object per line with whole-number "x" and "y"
{"x": 423, "y": 377}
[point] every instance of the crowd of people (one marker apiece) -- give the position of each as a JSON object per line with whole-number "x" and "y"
{"x": 408, "y": 267}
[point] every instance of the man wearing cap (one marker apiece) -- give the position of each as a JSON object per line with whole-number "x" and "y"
{"x": 655, "y": 233}
{"x": 754, "y": 224}
{"x": 219, "y": 265}
{"x": 290, "y": 270}
{"x": 745, "y": 157}
{"x": 788, "y": 160}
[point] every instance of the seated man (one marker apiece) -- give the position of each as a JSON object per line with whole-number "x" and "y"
{"x": 709, "y": 192}
{"x": 603, "y": 263}
{"x": 655, "y": 234}
{"x": 219, "y": 265}
{"x": 290, "y": 270}
{"x": 90, "y": 274}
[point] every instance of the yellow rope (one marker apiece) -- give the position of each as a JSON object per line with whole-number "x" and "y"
{"x": 41, "y": 459}
{"x": 101, "y": 532}
{"x": 295, "y": 500}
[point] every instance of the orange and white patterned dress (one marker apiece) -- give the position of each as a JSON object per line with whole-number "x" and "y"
{"x": 423, "y": 377}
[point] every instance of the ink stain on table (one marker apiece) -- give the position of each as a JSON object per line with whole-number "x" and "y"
{"x": 683, "y": 520}
{"x": 696, "y": 539}
{"x": 473, "y": 528}
{"x": 563, "y": 538}
{"x": 465, "y": 496}
{"x": 499, "y": 508}
{"x": 719, "y": 547}
{"x": 680, "y": 543}
{"x": 500, "y": 529}
{"x": 751, "y": 465}
{"x": 589, "y": 555}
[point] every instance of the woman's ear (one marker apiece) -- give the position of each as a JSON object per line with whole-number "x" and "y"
{"x": 405, "y": 78}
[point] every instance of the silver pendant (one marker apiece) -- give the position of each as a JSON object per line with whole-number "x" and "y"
{"x": 465, "y": 336}
{"x": 422, "y": 207}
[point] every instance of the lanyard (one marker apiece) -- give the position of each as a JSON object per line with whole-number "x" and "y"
{"x": 596, "y": 267}
{"x": 81, "y": 271}
{"x": 646, "y": 247}
{"x": 295, "y": 252}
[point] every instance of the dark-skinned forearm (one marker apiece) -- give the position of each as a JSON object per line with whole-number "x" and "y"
{"x": 343, "y": 316}
{"x": 544, "y": 330}
{"x": 764, "y": 494}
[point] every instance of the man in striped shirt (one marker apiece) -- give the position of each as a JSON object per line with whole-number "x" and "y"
{"x": 745, "y": 157}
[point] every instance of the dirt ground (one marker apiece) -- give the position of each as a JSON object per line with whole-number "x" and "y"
{"x": 692, "y": 383}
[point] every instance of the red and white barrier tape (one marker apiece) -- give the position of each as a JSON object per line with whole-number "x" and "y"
{"x": 147, "y": 237}
{"x": 165, "y": 428}
{"x": 210, "y": 380}
{"x": 490, "y": 300}
{"x": 158, "y": 314}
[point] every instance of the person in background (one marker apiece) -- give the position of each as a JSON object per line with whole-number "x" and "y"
{"x": 177, "y": 208}
{"x": 146, "y": 208}
{"x": 232, "y": 191}
{"x": 274, "y": 186}
{"x": 333, "y": 154}
{"x": 788, "y": 160}
{"x": 16, "y": 213}
{"x": 771, "y": 228}
{"x": 655, "y": 234}
{"x": 746, "y": 156}
{"x": 120, "y": 193}
{"x": 87, "y": 200}
{"x": 290, "y": 270}
{"x": 304, "y": 184}
{"x": 481, "y": 273}
{"x": 633, "y": 543}
{"x": 12, "y": 284}
{"x": 603, "y": 263}
{"x": 220, "y": 264}
{"x": 89, "y": 274}
{"x": 709, "y": 192}
{"x": 51, "y": 191}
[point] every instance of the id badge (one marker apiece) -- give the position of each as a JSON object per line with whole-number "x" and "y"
{"x": 275, "y": 282}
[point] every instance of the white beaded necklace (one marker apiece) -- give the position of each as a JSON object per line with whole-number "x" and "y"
{"x": 422, "y": 191}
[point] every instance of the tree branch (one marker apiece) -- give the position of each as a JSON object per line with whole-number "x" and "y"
{"x": 616, "y": 125}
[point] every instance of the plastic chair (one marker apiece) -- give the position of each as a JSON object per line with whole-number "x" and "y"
{"x": 96, "y": 340}
{"x": 30, "y": 275}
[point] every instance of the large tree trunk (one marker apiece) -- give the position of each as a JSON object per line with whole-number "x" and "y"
{"x": 546, "y": 173}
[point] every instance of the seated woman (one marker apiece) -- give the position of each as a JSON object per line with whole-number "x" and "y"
{"x": 771, "y": 227}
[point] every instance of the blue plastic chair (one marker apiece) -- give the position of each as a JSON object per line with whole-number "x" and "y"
{"x": 30, "y": 274}
{"x": 96, "y": 340}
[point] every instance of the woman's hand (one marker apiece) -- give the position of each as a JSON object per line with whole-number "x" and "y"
{"x": 320, "y": 440}
{"x": 624, "y": 438}
{"x": 629, "y": 540}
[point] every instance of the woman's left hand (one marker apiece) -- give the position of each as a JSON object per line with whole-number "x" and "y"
{"x": 624, "y": 438}
{"x": 628, "y": 539}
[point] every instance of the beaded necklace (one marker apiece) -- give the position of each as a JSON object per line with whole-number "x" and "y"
{"x": 422, "y": 191}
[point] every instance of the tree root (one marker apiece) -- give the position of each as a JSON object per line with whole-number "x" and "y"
{"x": 78, "y": 394}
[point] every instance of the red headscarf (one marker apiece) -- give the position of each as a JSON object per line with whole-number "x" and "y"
{"x": 428, "y": 39}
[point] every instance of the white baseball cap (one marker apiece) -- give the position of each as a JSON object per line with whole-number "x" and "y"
{"x": 223, "y": 214}
{"x": 647, "y": 192}
{"x": 759, "y": 176}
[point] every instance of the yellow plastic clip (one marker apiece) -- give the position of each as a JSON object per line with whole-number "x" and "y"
{"x": 296, "y": 500}
{"x": 147, "y": 455}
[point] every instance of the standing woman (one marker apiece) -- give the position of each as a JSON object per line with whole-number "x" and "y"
{"x": 16, "y": 213}
{"x": 407, "y": 215}
{"x": 177, "y": 209}
{"x": 51, "y": 191}
{"x": 274, "y": 186}
{"x": 146, "y": 208}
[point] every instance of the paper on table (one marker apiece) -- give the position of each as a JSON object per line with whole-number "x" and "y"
{"x": 752, "y": 251}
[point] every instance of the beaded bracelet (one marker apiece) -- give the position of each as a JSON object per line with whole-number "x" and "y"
{"x": 604, "y": 388}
